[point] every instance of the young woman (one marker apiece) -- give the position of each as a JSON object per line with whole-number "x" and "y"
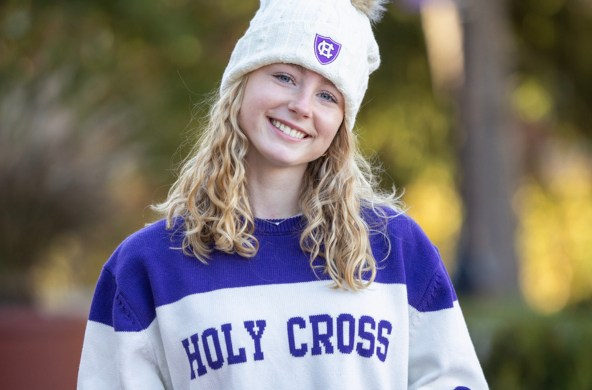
{"x": 278, "y": 264}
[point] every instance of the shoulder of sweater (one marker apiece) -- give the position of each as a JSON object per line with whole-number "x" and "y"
{"x": 397, "y": 223}
{"x": 151, "y": 241}
{"x": 410, "y": 252}
{"x": 137, "y": 273}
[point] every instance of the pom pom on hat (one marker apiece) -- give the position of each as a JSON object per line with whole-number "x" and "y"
{"x": 374, "y": 9}
{"x": 333, "y": 38}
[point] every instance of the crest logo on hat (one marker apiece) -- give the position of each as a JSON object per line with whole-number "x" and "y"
{"x": 326, "y": 49}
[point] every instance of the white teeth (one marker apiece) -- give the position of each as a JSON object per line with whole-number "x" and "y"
{"x": 288, "y": 130}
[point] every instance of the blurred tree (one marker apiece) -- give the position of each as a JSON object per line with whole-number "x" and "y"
{"x": 487, "y": 260}
{"x": 54, "y": 168}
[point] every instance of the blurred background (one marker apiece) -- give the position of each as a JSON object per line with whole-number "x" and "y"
{"x": 481, "y": 111}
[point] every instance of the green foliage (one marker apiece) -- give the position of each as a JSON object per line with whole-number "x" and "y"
{"x": 156, "y": 56}
{"x": 401, "y": 120}
{"x": 553, "y": 40}
{"x": 521, "y": 350}
{"x": 541, "y": 355}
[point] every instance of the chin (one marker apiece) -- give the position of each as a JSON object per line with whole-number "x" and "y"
{"x": 283, "y": 162}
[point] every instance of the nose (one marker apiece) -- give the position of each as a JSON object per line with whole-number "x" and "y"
{"x": 301, "y": 103}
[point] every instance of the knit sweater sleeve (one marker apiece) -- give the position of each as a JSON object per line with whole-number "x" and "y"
{"x": 119, "y": 350}
{"x": 441, "y": 354}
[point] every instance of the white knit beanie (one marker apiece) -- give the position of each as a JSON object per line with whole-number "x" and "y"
{"x": 331, "y": 37}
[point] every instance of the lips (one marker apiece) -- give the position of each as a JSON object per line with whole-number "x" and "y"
{"x": 287, "y": 129}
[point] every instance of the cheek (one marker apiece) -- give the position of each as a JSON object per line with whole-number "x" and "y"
{"x": 330, "y": 124}
{"x": 246, "y": 117}
{"x": 254, "y": 107}
{"x": 242, "y": 122}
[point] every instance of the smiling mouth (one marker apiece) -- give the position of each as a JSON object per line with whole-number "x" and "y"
{"x": 287, "y": 129}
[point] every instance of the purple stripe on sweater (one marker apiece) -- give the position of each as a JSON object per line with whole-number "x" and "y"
{"x": 148, "y": 273}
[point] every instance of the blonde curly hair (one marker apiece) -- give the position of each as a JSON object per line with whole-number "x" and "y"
{"x": 210, "y": 195}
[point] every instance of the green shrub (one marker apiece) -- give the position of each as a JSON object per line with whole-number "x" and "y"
{"x": 527, "y": 351}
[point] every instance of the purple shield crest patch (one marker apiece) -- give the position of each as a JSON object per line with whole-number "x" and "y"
{"x": 326, "y": 49}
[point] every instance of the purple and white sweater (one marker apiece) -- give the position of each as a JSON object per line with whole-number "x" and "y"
{"x": 163, "y": 320}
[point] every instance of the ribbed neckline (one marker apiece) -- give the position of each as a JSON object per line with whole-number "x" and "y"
{"x": 292, "y": 224}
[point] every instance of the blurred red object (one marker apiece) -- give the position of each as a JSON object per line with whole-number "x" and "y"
{"x": 39, "y": 351}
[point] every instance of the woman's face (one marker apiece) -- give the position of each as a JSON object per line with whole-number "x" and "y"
{"x": 289, "y": 114}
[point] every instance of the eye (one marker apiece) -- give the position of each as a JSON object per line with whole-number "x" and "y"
{"x": 284, "y": 78}
{"x": 328, "y": 97}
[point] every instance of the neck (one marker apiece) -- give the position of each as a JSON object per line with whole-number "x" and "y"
{"x": 274, "y": 192}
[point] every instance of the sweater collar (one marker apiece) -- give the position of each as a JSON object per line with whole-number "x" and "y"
{"x": 290, "y": 225}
